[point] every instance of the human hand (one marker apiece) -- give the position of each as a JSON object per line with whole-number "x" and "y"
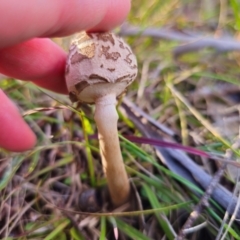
{"x": 27, "y": 54}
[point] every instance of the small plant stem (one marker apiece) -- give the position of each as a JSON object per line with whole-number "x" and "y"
{"x": 88, "y": 152}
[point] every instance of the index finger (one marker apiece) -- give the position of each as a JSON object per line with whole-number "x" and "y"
{"x": 23, "y": 20}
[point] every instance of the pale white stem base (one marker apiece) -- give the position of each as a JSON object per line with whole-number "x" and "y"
{"x": 106, "y": 118}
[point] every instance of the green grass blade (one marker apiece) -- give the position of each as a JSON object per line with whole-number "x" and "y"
{"x": 75, "y": 234}
{"x": 58, "y": 230}
{"x": 103, "y": 228}
{"x": 130, "y": 231}
{"x": 155, "y": 204}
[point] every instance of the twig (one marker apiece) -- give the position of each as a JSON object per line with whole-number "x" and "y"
{"x": 204, "y": 202}
{"x": 193, "y": 41}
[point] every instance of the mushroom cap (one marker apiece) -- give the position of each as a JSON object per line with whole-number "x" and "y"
{"x": 99, "y": 64}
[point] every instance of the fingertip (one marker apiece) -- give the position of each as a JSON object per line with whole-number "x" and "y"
{"x": 15, "y": 135}
{"x": 18, "y": 145}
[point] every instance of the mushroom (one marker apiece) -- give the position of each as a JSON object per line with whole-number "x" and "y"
{"x": 99, "y": 68}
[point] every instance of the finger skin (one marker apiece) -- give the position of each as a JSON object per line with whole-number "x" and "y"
{"x": 23, "y": 20}
{"x": 15, "y": 134}
{"x": 37, "y": 60}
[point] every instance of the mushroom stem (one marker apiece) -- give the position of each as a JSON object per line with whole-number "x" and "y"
{"x": 106, "y": 118}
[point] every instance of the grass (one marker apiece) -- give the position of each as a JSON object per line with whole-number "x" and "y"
{"x": 56, "y": 190}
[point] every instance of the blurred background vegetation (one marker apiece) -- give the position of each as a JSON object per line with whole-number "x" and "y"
{"x": 187, "y": 93}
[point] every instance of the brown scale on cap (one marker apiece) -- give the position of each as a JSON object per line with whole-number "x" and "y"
{"x": 99, "y": 68}
{"x": 106, "y": 37}
{"x": 109, "y": 55}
